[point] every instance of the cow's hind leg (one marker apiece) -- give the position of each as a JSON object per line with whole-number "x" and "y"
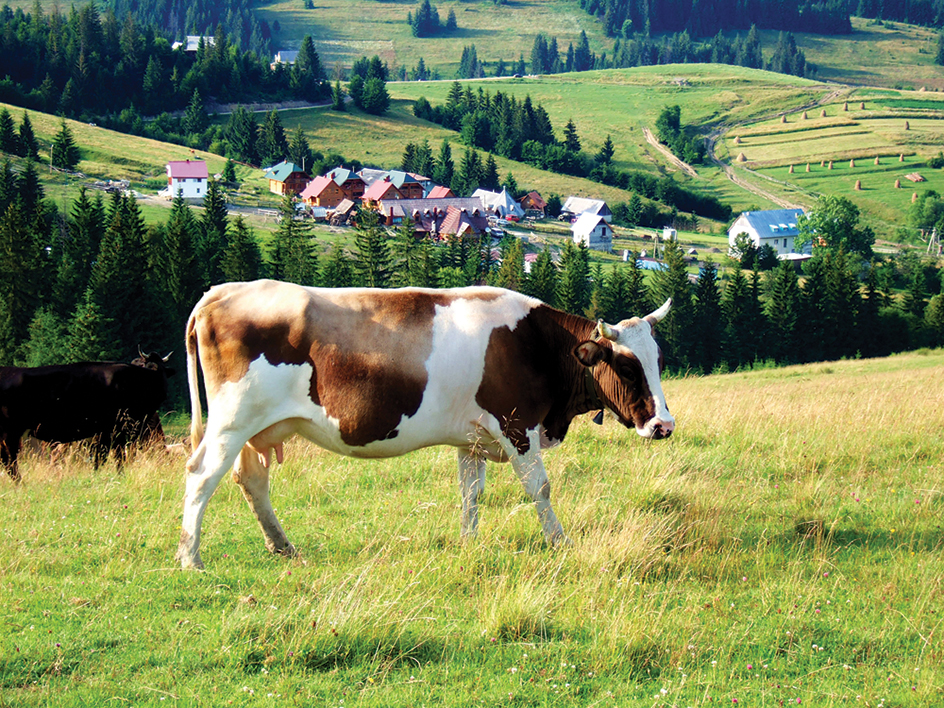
{"x": 253, "y": 479}
{"x": 205, "y": 468}
{"x": 9, "y": 452}
{"x": 471, "y": 484}
{"x": 530, "y": 470}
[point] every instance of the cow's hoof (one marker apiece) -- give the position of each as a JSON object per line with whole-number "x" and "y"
{"x": 288, "y": 550}
{"x": 562, "y": 541}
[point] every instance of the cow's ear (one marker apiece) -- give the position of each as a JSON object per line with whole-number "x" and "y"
{"x": 590, "y": 353}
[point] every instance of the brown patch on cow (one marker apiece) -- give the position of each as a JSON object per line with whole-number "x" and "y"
{"x": 367, "y": 349}
{"x": 624, "y": 388}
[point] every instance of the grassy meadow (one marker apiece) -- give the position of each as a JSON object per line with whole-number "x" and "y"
{"x": 784, "y": 547}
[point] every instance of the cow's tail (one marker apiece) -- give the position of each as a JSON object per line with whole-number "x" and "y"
{"x": 193, "y": 366}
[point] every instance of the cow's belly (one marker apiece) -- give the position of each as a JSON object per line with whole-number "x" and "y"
{"x": 271, "y": 404}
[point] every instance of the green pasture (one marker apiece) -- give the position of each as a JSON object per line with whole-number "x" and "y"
{"x": 784, "y": 547}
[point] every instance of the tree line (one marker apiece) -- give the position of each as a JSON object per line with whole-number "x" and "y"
{"x": 90, "y": 64}
{"x": 522, "y": 131}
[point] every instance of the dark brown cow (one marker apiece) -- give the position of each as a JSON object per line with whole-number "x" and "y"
{"x": 378, "y": 373}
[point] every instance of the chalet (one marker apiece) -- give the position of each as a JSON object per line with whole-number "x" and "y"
{"x": 380, "y": 190}
{"x": 409, "y": 186}
{"x": 349, "y": 183}
{"x": 533, "y": 205}
{"x": 285, "y": 58}
{"x": 593, "y": 231}
{"x": 439, "y": 192}
{"x": 775, "y": 227}
{"x": 499, "y": 203}
{"x": 581, "y": 205}
{"x": 187, "y": 178}
{"x": 286, "y": 178}
{"x": 429, "y": 214}
{"x": 191, "y": 43}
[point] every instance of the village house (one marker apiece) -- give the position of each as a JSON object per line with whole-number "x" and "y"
{"x": 575, "y": 206}
{"x": 593, "y": 231}
{"x": 533, "y": 205}
{"x": 191, "y": 43}
{"x": 499, "y": 203}
{"x": 378, "y": 191}
{"x": 440, "y": 192}
{"x": 429, "y": 216}
{"x": 774, "y": 227}
{"x": 286, "y": 178}
{"x": 187, "y": 178}
{"x": 409, "y": 186}
{"x": 284, "y": 57}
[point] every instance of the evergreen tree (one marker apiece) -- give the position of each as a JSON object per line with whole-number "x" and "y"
{"x": 337, "y": 97}
{"x": 336, "y": 271}
{"x": 93, "y": 336}
{"x": 48, "y": 341}
{"x": 510, "y": 185}
{"x": 374, "y": 98}
{"x": 195, "y": 119}
{"x": 628, "y": 293}
{"x": 181, "y": 275}
{"x": 673, "y": 283}
{"x": 213, "y": 233}
{"x": 783, "y": 313}
{"x": 80, "y": 246}
{"x": 738, "y": 334}
{"x": 573, "y": 290}
{"x": 21, "y": 273}
{"x": 9, "y": 140}
{"x": 868, "y": 322}
{"x": 30, "y": 190}
{"x": 571, "y": 140}
{"x": 65, "y": 153}
{"x": 29, "y": 146}
{"x": 600, "y": 298}
{"x": 470, "y": 174}
{"x": 934, "y": 320}
{"x": 292, "y": 258}
{"x": 372, "y": 262}
{"x": 511, "y": 272}
{"x": 444, "y": 168}
{"x": 242, "y": 257}
{"x": 541, "y": 282}
{"x": 241, "y": 135}
{"x": 299, "y": 150}
{"x": 605, "y": 156}
{"x": 229, "y": 172}
{"x": 272, "y": 146}
{"x": 707, "y": 326}
{"x": 490, "y": 178}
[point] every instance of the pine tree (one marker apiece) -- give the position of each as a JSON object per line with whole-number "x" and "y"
{"x": 371, "y": 258}
{"x": 272, "y": 146}
{"x": 707, "y": 327}
{"x": 490, "y": 177}
{"x": 600, "y": 295}
{"x": 783, "y": 313}
{"x": 29, "y": 146}
{"x": 229, "y": 172}
{"x": 9, "y": 141}
{"x": 337, "y": 97}
{"x": 541, "y": 282}
{"x": 292, "y": 258}
{"x": 181, "y": 277}
{"x": 605, "y": 156}
{"x": 444, "y": 167}
{"x": 673, "y": 283}
{"x": 241, "y": 135}
{"x": 213, "y": 234}
{"x": 47, "y": 342}
{"x": 21, "y": 271}
{"x": 735, "y": 305}
{"x": 242, "y": 257}
{"x": 65, "y": 153}
{"x": 934, "y": 320}
{"x": 628, "y": 293}
{"x": 374, "y": 98}
{"x": 195, "y": 119}
{"x": 79, "y": 248}
{"x": 30, "y": 189}
{"x": 511, "y": 272}
{"x": 573, "y": 289}
{"x": 571, "y": 140}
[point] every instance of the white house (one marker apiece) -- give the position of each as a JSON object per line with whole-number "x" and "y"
{"x": 775, "y": 227}
{"x": 593, "y": 231}
{"x": 188, "y": 177}
{"x": 499, "y": 203}
{"x": 582, "y": 205}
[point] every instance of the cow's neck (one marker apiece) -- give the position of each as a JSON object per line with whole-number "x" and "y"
{"x": 573, "y": 395}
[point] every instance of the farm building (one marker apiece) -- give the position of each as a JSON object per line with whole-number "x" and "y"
{"x": 286, "y": 178}
{"x": 188, "y": 178}
{"x": 408, "y": 185}
{"x": 286, "y": 58}
{"x": 191, "y": 43}
{"x": 380, "y": 190}
{"x": 582, "y": 205}
{"x": 534, "y": 206}
{"x": 499, "y": 203}
{"x": 593, "y": 231}
{"x": 774, "y": 227}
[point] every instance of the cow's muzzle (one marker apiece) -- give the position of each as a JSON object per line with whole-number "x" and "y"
{"x": 657, "y": 429}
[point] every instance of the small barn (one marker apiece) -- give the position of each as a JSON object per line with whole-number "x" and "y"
{"x": 594, "y": 232}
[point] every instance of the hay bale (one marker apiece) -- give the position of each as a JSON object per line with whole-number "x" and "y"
{"x": 845, "y": 106}
{"x": 783, "y": 119}
{"x": 907, "y": 125}
{"x": 805, "y": 116}
{"x": 807, "y": 166}
{"x": 914, "y": 197}
{"x": 741, "y": 157}
{"x": 791, "y": 169}
{"x": 858, "y": 185}
{"x": 822, "y": 163}
{"x": 901, "y": 157}
{"x": 877, "y": 160}
{"x": 852, "y": 163}
{"x": 862, "y": 106}
{"x": 897, "y": 184}
{"x": 737, "y": 139}
{"x": 822, "y": 113}
{"x": 830, "y": 165}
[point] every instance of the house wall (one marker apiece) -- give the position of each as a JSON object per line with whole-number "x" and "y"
{"x": 191, "y": 187}
{"x": 599, "y": 239}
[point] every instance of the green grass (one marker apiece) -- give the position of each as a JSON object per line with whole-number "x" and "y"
{"x": 785, "y": 544}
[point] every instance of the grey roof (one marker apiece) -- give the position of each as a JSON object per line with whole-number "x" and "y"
{"x": 774, "y": 222}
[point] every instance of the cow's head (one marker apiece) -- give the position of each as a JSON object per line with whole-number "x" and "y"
{"x": 627, "y": 364}
{"x": 153, "y": 361}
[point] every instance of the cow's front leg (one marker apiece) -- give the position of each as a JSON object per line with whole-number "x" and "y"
{"x": 471, "y": 484}
{"x": 253, "y": 479}
{"x": 530, "y": 470}
{"x": 9, "y": 452}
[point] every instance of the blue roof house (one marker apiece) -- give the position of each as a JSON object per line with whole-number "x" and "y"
{"x": 774, "y": 227}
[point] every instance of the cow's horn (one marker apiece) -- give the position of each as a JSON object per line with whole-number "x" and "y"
{"x": 165, "y": 358}
{"x": 604, "y": 330}
{"x": 657, "y": 316}
{"x": 140, "y": 353}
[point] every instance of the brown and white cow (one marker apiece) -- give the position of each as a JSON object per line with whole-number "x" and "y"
{"x": 378, "y": 373}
